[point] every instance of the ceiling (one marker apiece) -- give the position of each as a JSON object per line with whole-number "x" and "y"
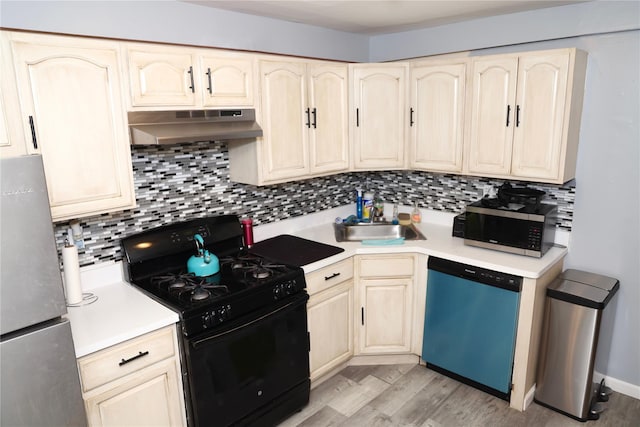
{"x": 378, "y": 16}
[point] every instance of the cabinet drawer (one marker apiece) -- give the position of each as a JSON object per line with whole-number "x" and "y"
{"x": 115, "y": 362}
{"x": 329, "y": 276}
{"x": 385, "y": 266}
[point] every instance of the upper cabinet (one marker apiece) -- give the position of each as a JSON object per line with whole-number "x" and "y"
{"x": 304, "y": 119}
{"x": 525, "y": 115}
{"x": 436, "y": 115}
{"x": 173, "y": 77}
{"x": 72, "y": 109}
{"x": 285, "y": 120}
{"x": 328, "y": 91}
{"x": 378, "y": 115}
{"x": 12, "y": 142}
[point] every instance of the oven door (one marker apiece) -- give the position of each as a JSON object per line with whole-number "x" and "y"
{"x": 249, "y": 366}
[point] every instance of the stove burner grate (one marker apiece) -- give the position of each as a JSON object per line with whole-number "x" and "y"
{"x": 252, "y": 269}
{"x": 189, "y": 287}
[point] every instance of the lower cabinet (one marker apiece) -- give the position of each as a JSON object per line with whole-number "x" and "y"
{"x": 385, "y": 303}
{"x": 135, "y": 383}
{"x": 330, "y": 317}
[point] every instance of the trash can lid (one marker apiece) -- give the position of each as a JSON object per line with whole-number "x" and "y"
{"x": 582, "y": 288}
{"x": 592, "y": 279}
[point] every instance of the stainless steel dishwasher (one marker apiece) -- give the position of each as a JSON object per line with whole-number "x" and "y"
{"x": 470, "y": 324}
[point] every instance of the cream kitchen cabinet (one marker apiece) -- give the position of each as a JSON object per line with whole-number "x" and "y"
{"x": 525, "y": 115}
{"x": 135, "y": 383}
{"x": 330, "y": 317}
{"x": 174, "y": 77}
{"x": 385, "y": 303}
{"x": 378, "y": 116}
{"x": 72, "y": 110}
{"x": 12, "y": 141}
{"x": 436, "y": 115}
{"x": 304, "y": 120}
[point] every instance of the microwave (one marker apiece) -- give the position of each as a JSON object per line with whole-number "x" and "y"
{"x": 518, "y": 229}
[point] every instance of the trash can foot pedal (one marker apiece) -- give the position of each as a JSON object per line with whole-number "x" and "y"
{"x": 596, "y": 409}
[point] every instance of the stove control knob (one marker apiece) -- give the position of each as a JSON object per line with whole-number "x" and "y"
{"x": 223, "y": 312}
{"x": 291, "y": 287}
{"x": 278, "y": 291}
{"x": 207, "y": 320}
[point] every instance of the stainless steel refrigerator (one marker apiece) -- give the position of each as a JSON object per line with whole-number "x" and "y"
{"x": 39, "y": 382}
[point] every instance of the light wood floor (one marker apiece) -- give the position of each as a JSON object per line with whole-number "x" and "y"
{"x": 412, "y": 395}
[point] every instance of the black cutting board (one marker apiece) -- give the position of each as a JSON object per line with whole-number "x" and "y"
{"x": 293, "y": 250}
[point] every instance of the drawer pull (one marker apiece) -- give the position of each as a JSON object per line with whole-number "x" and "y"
{"x": 138, "y": 356}
{"x": 332, "y": 276}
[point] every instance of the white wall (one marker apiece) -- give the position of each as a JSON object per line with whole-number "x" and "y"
{"x": 184, "y": 23}
{"x": 606, "y": 226}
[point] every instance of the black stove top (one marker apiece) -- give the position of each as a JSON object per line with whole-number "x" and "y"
{"x": 156, "y": 262}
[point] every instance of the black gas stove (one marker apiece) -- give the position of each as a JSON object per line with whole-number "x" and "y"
{"x": 157, "y": 260}
{"x": 245, "y": 341}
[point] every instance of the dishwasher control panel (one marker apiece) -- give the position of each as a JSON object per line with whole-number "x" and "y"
{"x": 477, "y": 274}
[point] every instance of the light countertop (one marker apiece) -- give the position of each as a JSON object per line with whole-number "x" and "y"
{"x": 123, "y": 312}
{"x": 120, "y": 313}
{"x": 436, "y": 227}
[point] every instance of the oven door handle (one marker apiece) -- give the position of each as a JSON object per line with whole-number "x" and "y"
{"x": 302, "y": 299}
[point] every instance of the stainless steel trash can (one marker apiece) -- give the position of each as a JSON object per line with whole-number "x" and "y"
{"x": 574, "y": 305}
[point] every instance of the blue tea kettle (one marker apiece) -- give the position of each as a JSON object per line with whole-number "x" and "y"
{"x": 202, "y": 264}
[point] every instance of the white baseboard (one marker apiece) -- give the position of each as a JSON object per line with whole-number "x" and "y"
{"x": 528, "y": 398}
{"x": 618, "y": 386}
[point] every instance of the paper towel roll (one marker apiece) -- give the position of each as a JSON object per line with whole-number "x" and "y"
{"x": 72, "y": 285}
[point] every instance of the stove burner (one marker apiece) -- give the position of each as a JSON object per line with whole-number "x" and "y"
{"x": 178, "y": 284}
{"x": 260, "y": 273}
{"x": 238, "y": 264}
{"x": 200, "y": 294}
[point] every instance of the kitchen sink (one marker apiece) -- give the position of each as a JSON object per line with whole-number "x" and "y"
{"x": 375, "y": 231}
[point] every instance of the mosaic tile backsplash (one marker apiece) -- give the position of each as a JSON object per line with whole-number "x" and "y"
{"x": 180, "y": 182}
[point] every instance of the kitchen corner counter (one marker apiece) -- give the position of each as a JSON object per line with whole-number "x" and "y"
{"x": 441, "y": 244}
{"x": 120, "y": 313}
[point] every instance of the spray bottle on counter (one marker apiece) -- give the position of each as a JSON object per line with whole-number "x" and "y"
{"x": 359, "y": 204}
{"x": 367, "y": 206}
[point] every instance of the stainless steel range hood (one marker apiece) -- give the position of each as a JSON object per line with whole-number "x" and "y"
{"x": 173, "y": 127}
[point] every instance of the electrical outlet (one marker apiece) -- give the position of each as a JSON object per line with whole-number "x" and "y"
{"x": 487, "y": 190}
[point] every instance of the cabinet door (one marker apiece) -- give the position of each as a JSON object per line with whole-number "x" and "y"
{"x": 492, "y": 114}
{"x": 540, "y": 113}
{"x": 162, "y": 78}
{"x": 379, "y": 106}
{"x": 71, "y": 94}
{"x": 150, "y": 397}
{"x": 437, "y": 127}
{"x": 330, "y": 320}
{"x": 228, "y": 81}
{"x": 328, "y": 103}
{"x": 12, "y": 141}
{"x": 385, "y": 315}
{"x": 283, "y": 86}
